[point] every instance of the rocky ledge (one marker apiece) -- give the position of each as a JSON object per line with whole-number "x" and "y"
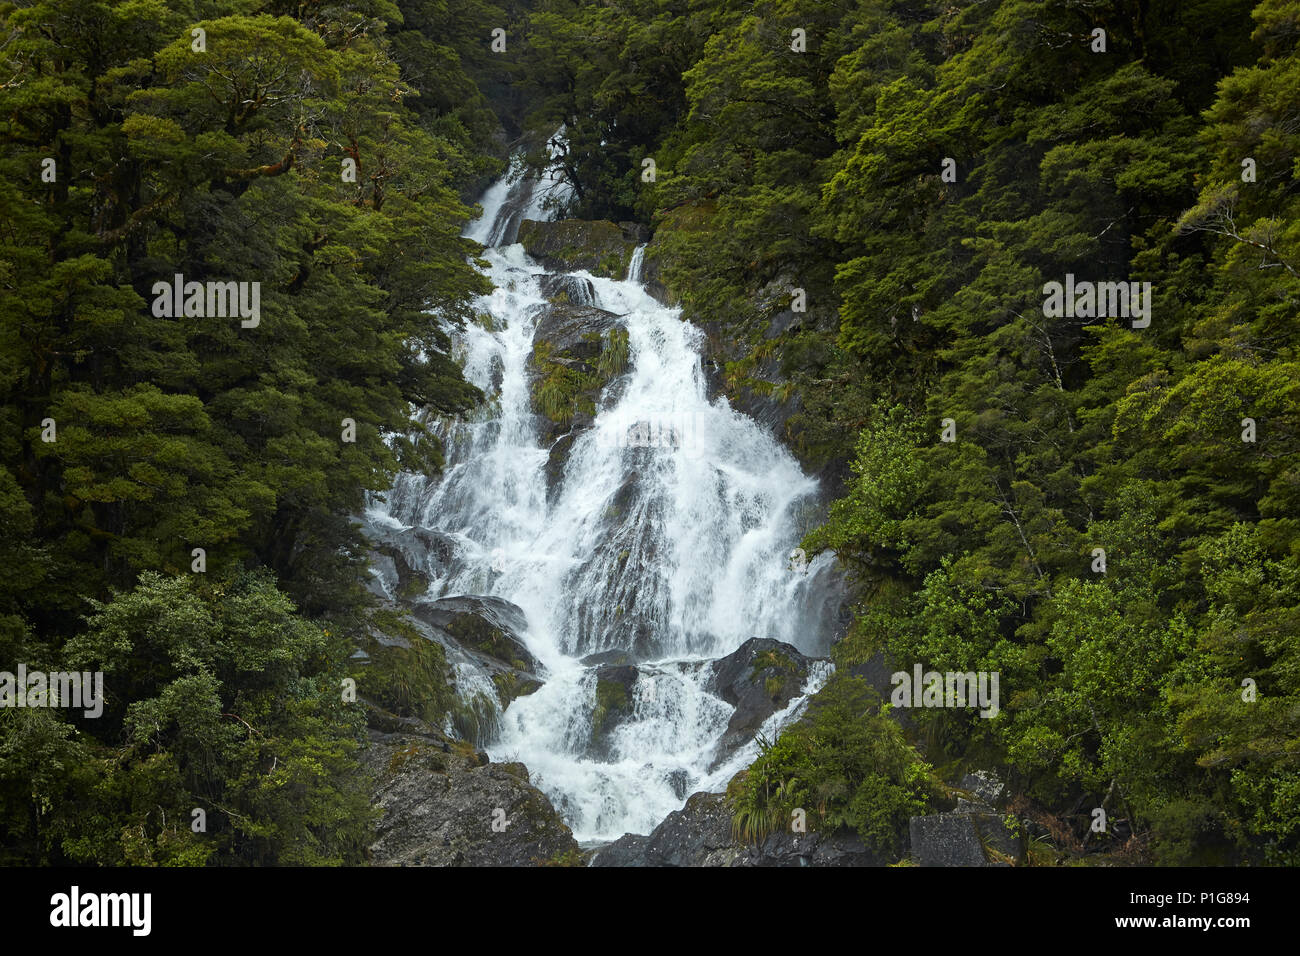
{"x": 444, "y": 804}
{"x": 700, "y": 834}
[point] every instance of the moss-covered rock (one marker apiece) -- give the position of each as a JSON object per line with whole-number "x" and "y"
{"x": 670, "y": 255}
{"x": 405, "y": 674}
{"x": 614, "y": 686}
{"x": 513, "y": 684}
{"x": 759, "y": 678}
{"x": 568, "y": 245}
{"x": 577, "y": 351}
{"x": 487, "y": 625}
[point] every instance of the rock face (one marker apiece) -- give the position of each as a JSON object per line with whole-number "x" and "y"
{"x": 488, "y": 625}
{"x": 759, "y": 678}
{"x": 769, "y": 318}
{"x": 699, "y": 834}
{"x": 439, "y": 803}
{"x": 568, "y": 245}
{"x": 483, "y": 631}
{"x": 404, "y": 557}
{"x": 975, "y": 834}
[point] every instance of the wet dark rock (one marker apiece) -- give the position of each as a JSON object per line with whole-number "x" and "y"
{"x": 680, "y": 781}
{"x": 566, "y": 376}
{"x": 615, "y": 704}
{"x": 615, "y": 657}
{"x": 556, "y": 460}
{"x": 574, "y": 331}
{"x": 628, "y": 850}
{"x": 759, "y": 678}
{"x": 574, "y": 290}
{"x": 635, "y": 232}
{"x": 439, "y": 801}
{"x": 405, "y": 557}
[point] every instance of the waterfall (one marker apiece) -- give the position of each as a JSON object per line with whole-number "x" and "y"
{"x": 636, "y": 264}
{"x": 668, "y": 537}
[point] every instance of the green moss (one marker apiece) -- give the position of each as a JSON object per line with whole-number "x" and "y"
{"x": 571, "y": 857}
{"x": 396, "y": 624}
{"x": 433, "y": 760}
{"x": 611, "y": 700}
{"x": 563, "y": 390}
{"x": 410, "y": 681}
{"x": 511, "y": 685}
{"x": 400, "y": 756}
{"x": 473, "y": 630}
{"x": 415, "y": 585}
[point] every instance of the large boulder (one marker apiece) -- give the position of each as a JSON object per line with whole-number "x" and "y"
{"x": 975, "y": 834}
{"x": 443, "y": 804}
{"x": 759, "y": 678}
{"x": 574, "y": 331}
{"x": 946, "y": 839}
{"x": 568, "y": 245}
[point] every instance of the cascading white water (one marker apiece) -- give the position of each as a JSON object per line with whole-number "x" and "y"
{"x": 669, "y": 537}
{"x": 636, "y": 264}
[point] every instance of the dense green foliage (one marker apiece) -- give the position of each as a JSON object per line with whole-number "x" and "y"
{"x": 847, "y": 765}
{"x": 222, "y": 160}
{"x": 823, "y": 170}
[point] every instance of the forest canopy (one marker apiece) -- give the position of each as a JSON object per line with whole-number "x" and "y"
{"x": 1103, "y": 512}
